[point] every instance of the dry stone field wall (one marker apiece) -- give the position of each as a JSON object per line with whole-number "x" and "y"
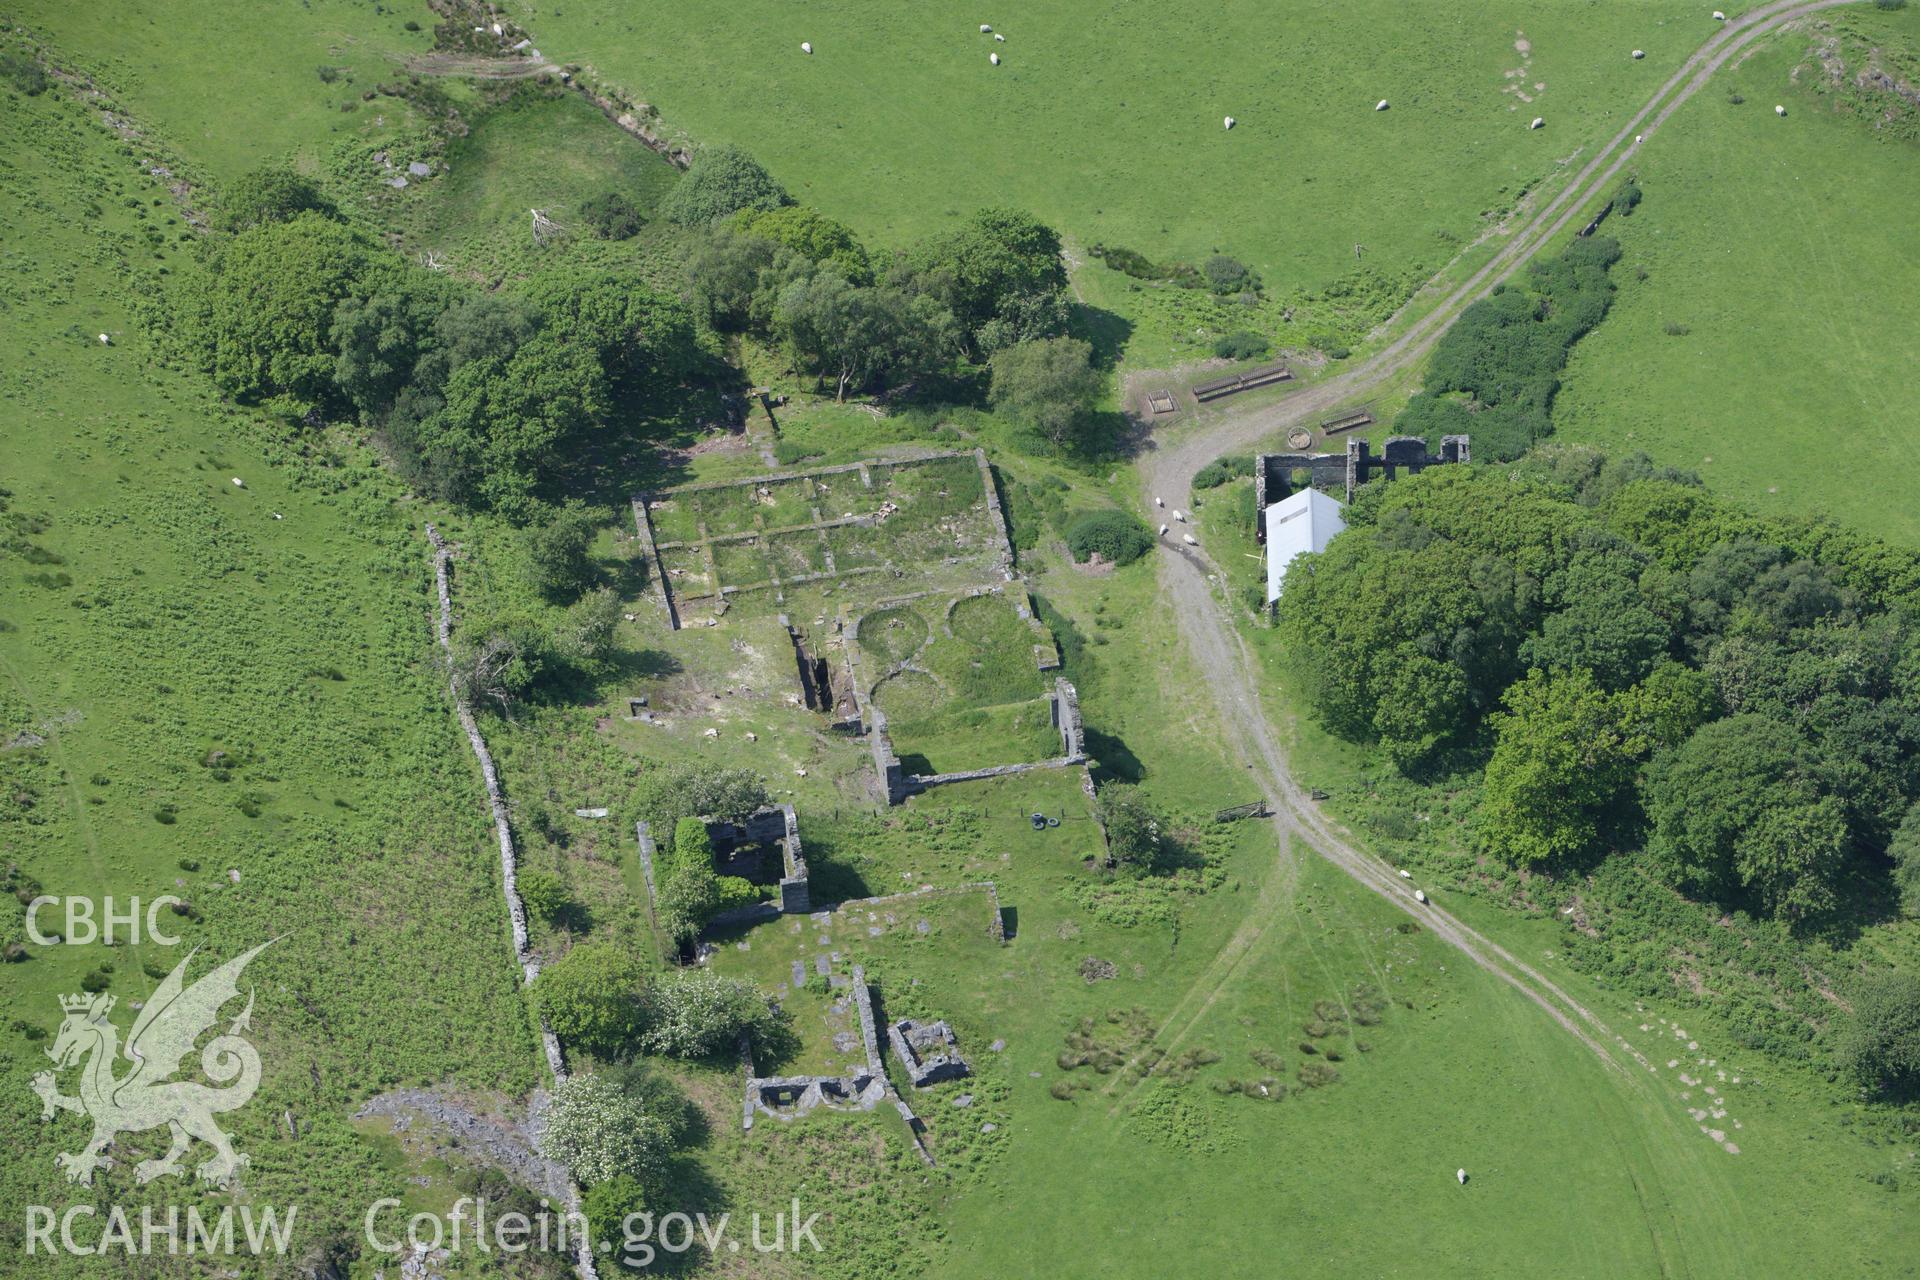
{"x": 509, "y": 864}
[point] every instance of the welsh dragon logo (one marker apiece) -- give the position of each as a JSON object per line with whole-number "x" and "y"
{"x": 145, "y": 1097}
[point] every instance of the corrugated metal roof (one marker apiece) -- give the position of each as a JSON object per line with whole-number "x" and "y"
{"x": 1302, "y": 522}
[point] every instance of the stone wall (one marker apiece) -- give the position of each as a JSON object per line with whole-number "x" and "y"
{"x": 869, "y": 1036}
{"x": 509, "y": 867}
{"x": 1346, "y": 472}
{"x": 776, "y": 825}
{"x": 890, "y": 776}
{"x": 999, "y": 515}
{"x": 643, "y": 835}
{"x": 927, "y": 1052}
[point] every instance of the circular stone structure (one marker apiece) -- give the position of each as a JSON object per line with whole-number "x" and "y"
{"x": 893, "y": 634}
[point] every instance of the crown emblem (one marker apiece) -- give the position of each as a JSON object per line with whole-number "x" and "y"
{"x": 82, "y": 1003}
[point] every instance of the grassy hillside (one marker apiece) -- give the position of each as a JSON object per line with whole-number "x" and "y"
{"x": 1107, "y": 121}
{"x": 238, "y": 84}
{"x": 223, "y": 693}
{"x": 1783, "y": 249}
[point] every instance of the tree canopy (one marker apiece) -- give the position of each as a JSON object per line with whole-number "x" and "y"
{"x": 272, "y": 194}
{"x": 593, "y": 998}
{"x": 1000, "y": 265}
{"x": 1049, "y": 383}
{"x": 602, "y": 1131}
{"x": 721, "y": 181}
{"x": 1636, "y": 666}
{"x": 1881, "y": 1046}
{"x": 812, "y": 235}
{"x": 266, "y": 311}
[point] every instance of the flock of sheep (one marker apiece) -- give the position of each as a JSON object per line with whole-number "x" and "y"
{"x": 1538, "y": 122}
{"x": 986, "y": 29}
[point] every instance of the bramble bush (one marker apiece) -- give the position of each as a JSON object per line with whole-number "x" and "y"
{"x": 612, "y": 216}
{"x": 1230, "y": 466}
{"x": 1241, "y": 344}
{"x": 1113, "y": 535}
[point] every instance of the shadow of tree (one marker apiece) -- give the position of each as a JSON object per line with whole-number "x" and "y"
{"x": 1113, "y": 760}
{"x": 1105, "y": 331}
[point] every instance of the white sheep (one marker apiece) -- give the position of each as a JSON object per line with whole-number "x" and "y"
{"x": 238, "y": 483}
{"x": 1000, "y": 38}
{"x": 994, "y": 58}
{"x": 1380, "y": 105}
{"x": 105, "y": 341}
{"x": 1779, "y": 110}
{"x": 806, "y": 46}
{"x": 1719, "y": 16}
{"x": 1163, "y": 531}
{"x": 1539, "y": 122}
{"x": 1179, "y": 515}
{"x": 1406, "y": 875}
{"x": 985, "y": 27}
{"x": 1159, "y": 502}
{"x": 1189, "y": 539}
{"x": 1639, "y": 54}
{"x": 1420, "y": 896}
{"x": 1230, "y": 122}
{"x": 1462, "y": 1175}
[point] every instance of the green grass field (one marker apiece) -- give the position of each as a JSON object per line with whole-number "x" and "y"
{"x": 1108, "y": 123}
{"x": 1784, "y": 247}
{"x": 238, "y": 85}
{"x": 221, "y": 693}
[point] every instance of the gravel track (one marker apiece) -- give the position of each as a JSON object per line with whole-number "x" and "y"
{"x": 1222, "y": 655}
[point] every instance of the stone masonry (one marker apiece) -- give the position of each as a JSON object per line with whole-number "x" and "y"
{"x": 1273, "y": 472}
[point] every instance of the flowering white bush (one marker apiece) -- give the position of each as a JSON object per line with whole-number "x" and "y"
{"x": 600, "y": 1131}
{"x": 699, "y": 1012}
